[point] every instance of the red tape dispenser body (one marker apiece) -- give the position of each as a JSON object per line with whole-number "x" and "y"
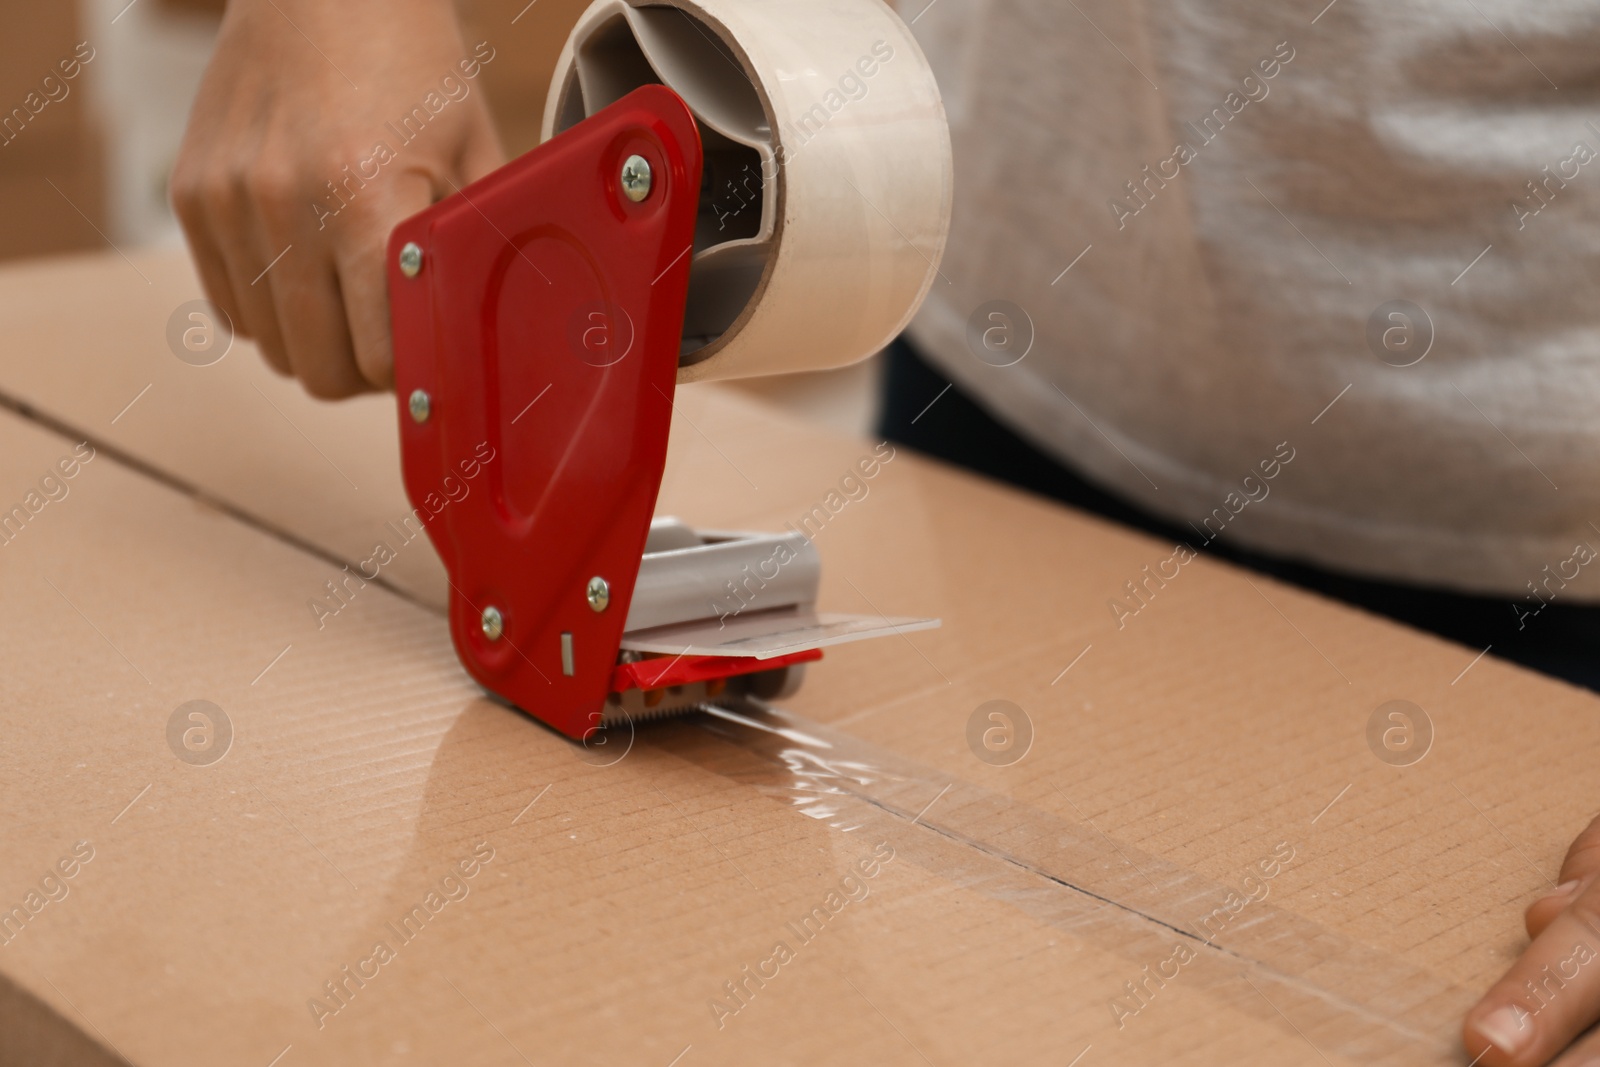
{"x": 538, "y": 316}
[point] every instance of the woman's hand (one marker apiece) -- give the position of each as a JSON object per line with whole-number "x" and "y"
{"x": 318, "y": 127}
{"x": 1552, "y": 993}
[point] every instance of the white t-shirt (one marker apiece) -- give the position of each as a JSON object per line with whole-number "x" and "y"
{"x": 1242, "y": 195}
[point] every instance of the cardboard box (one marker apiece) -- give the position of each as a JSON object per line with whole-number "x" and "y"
{"x": 49, "y": 133}
{"x": 37, "y": 37}
{"x": 54, "y": 190}
{"x": 1199, "y": 858}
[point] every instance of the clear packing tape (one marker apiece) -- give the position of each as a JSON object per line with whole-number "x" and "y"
{"x": 826, "y": 198}
{"x": 1352, "y": 1001}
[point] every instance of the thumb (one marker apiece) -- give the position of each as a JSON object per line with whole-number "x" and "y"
{"x": 481, "y": 153}
{"x": 1578, "y": 870}
{"x": 363, "y": 275}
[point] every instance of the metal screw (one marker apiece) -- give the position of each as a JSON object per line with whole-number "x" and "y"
{"x": 421, "y": 405}
{"x": 599, "y": 593}
{"x": 636, "y": 178}
{"x": 493, "y": 623}
{"x": 411, "y": 259}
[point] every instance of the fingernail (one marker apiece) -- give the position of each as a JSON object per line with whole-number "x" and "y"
{"x": 1564, "y": 888}
{"x": 1504, "y": 1031}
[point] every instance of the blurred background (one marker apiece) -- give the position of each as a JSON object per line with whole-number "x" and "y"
{"x": 84, "y": 161}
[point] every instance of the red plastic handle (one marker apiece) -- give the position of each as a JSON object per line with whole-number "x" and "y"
{"x": 543, "y": 327}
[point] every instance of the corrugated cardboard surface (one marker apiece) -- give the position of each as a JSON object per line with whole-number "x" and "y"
{"x": 1180, "y": 758}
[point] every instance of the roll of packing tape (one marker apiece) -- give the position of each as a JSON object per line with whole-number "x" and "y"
{"x": 826, "y": 198}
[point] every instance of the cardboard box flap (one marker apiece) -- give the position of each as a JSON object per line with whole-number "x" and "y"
{"x": 1176, "y": 842}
